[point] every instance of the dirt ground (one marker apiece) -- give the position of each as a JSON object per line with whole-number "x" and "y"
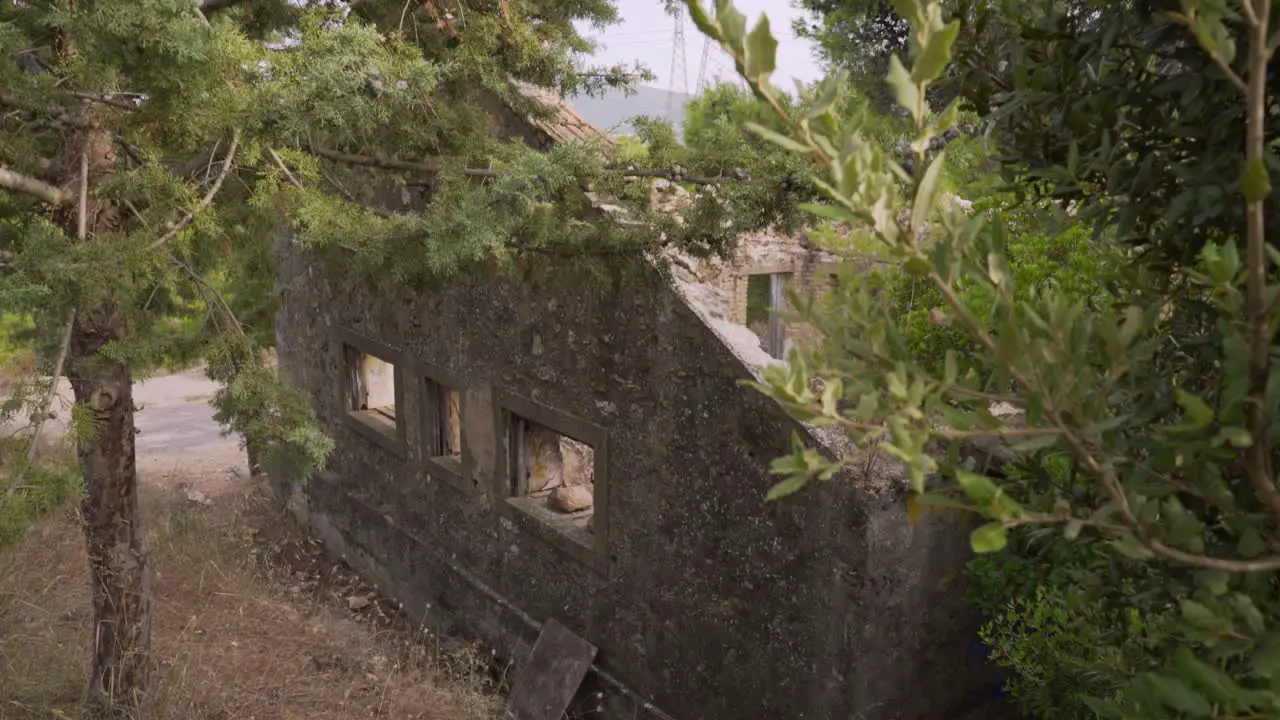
{"x": 251, "y": 620}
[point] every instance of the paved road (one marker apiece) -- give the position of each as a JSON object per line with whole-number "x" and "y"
{"x": 176, "y": 426}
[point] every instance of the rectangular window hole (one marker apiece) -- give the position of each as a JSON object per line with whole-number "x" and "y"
{"x": 444, "y": 426}
{"x": 552, "y": 477}
{"x": 371, "y": 389}
{"x": 766, "y": 295}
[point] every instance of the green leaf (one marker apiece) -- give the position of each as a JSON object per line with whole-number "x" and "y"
{"x": 936, "y": 53}
{"x": 905, "y": 91}
{"x": 997, "y": 268}
{"x": 732, "y": 23}
{"x": 946, "y": 119}
{"x": 1214, "y": 683}
{"x": 1248, "y": 612}
{"x": 909, "y": 10}
{"x": 1266, "y": 659}
{"x": 1217, "y": 582}
{"x": 1130, "y": 547}
{"x": 926, "y": 193}
{"x": 1255, "y": 185}
{"x": 832, "y": 392}
{"x": 776, "y": 138}
{"x": 979, "y": 488}
{"x": 1199, "y": 414}
{"x": 786, "y": 487}
{"x": 1199, "y": 615}
{"x": 917, "y": 266}
{"x": 1251, "y": 544}
{"x": 702, "y": 21}
{"x": 831, "y": 212}
{"x": 761, "y": 51}
{"x": 991, "y": 537}
{"x": 1033, "y": 443}
{"x": 1237, "y": 436}
{"x": 1175, "y": 694}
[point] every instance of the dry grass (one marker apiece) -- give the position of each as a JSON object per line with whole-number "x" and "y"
{"x": 238, "y": 632}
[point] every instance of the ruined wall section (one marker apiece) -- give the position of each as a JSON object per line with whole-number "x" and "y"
{"x": 707, "y": 600}
{"x": 720, "y": 289}
{"x": 702, "y": 598}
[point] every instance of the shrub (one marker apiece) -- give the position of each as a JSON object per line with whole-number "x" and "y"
{"x": 1071, "y": 619}
{"x": 47, "y": 485}
{"x": 16, "y": 355}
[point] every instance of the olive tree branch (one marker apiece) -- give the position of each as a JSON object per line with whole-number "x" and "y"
{"x": 1075, "y": 444}
{"x": 1252, "y": 15}
{"x": 1258, "y": 455}
{"x": 949, "y": 434}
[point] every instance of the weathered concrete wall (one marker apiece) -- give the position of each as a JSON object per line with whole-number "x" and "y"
{"x": 704, "y": 599}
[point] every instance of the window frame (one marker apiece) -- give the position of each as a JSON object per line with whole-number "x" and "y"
{"x": 432, "y": 379}
{"x": 392, "y": 439}
{"x": 507, "y": 407}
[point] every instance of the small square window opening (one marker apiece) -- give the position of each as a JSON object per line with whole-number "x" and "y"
{"x": 371, "y": 389}
{"x": 552, "y": 477}
{"x": 444, "y": 425}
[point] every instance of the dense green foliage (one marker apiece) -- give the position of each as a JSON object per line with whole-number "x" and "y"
{"x": 1070, "y": 618}
{"x": 46, "y": 487}
{"x": 240, "y": 130}
{"x": 1043, "y": 251}
{"x": 1161, "y": 391}
{"x": 1102, "y": 103}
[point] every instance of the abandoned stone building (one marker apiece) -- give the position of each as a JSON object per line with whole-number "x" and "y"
{"x": 511, "y": 454}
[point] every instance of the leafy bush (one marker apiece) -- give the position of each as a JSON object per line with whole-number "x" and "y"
{"x": 15, "y": 349}
{"x": 1043, "y": 252}
{"x": 1072, "y": 620}
{"x": 46, "y": 486}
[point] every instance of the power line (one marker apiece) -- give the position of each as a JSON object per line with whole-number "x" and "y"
{"x": 634, "y": 35}
{"x": 706, "y": 54}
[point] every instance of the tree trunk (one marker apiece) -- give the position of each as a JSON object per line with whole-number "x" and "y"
{"x": 113, "y": 531}
{"x": 111, "y": 521}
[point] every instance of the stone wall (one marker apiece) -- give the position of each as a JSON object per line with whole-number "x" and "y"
{"x": 808, "y": 270}
{"x": 703, "y": 599}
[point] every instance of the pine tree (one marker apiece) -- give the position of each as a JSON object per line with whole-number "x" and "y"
{"x": 150, "y": 150}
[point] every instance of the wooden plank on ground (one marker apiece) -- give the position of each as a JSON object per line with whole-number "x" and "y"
{"x": 547, "y": 680}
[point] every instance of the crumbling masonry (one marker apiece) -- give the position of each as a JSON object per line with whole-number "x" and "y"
{"x": 508, "y": 453}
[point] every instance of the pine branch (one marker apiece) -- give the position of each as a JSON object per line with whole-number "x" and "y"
{"x": 429, "y": 167}
{"x": 17, "y": 182}
{"x": 107, "y": 99}
{"x": 82, "y": 230}
{"x": 206, "y": 201}
{"x": 48, "y": 399}
{"x": 213, "y": 6}
{"x": 432, "y": 167}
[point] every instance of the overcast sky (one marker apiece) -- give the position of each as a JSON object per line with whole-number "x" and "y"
{"x": 647, "y": 33}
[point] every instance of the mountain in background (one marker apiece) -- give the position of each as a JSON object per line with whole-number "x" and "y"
{"x": 611, "y": 111}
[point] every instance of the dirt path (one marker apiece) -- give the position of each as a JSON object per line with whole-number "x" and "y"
{"x": 178, "y": 437}
{"x": 251, "y": 618}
